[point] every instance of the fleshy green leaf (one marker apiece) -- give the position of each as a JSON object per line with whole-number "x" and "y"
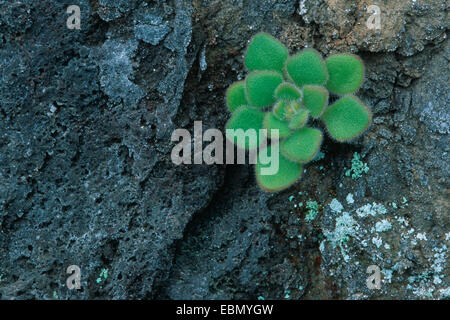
{"x": 235, "y": 96}
{"x": 347, "y": 118}
{"x": 265, "y": 53}
{"x": 287, "y": 91}
{"x": 299, "y": 119}
{"x": 260, "y": 87}
{"x": 292, "y": 107}
{"x": 286, "y": 109}
{"x": 346, "y": 73}
{"x": 279, "y": 109}
{"x": 302, "y": 145}
{"x": 307, "y": 67}
{"x": 315, "y": 98}
{"x": 288, "y": 173}
{"x": 272, "y": 122}
{"x": 245, "y": 118}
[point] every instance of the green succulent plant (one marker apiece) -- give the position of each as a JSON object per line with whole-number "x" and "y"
{"x": 287, "y": 174}
{"x": 286, "y": 92}
{"x": 236, "y": 96}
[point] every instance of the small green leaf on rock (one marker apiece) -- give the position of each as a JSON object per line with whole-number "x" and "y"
{"x": 307, "y": 67}
{"x": 315, "y": 98}
{"x": 245, "y": 118}
{"x": 260, "y": 87}
{"x": 288, "y": 173}
{"x": 265, "y": 53}
{"x": 235, "y": 96}
{"x": 302, "y": 145}
{"x": 346, "y": 73}
{"x": 347, "y": 118}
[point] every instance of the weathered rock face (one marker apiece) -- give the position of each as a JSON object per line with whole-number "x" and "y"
{"x": 86, "y": 118}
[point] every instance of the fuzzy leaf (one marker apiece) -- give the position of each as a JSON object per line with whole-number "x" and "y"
{"x": 315, "y": 98}
{"x": 265, "y": 53}
{"x": 260, "y": 87}
{"x": 272, "y": 122}
{"x": 299, "y": 119}
{"x": 303, "y": 145}
{"x": 288, "y": 173}
{"x": 347, "y": 118}
{"x": 292, "y": 107}
{"x": 285, "y": 109}
{"x": 346, "y": 73}
{"x": 287, "y": 91}
{"x": 279, "y": 109}
{"x": 245, "y": 118}
{"x": 307, "y": 67}
{"x": 235, "y": 96}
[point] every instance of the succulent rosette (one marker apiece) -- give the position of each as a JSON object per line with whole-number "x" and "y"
{"x": 285, "y": 92}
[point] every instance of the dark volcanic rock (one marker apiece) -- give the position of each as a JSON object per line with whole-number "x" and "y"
{"x": 86, "y": 177}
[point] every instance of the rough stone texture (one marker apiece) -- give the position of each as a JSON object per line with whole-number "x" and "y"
{"x": 86, "y": 177}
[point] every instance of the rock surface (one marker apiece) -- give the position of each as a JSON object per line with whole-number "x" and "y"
{"x": 86, "y": 177}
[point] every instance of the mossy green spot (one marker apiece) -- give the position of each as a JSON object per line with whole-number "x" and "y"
{"x": 315, "y": 99}
{"x": 346, "y": 73}
{"x": 235, "y": 96}
{"x": 245, "y": 118}
{"x": 265, "y": 53}
{"x": 288, "y": 173}
{"x": 307, "y": 67}
{"x": 302, "y": 145}
{"x": 347, "y": 118}
{"x": 260, "y": 87}
{"x": 358, "y": 167}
